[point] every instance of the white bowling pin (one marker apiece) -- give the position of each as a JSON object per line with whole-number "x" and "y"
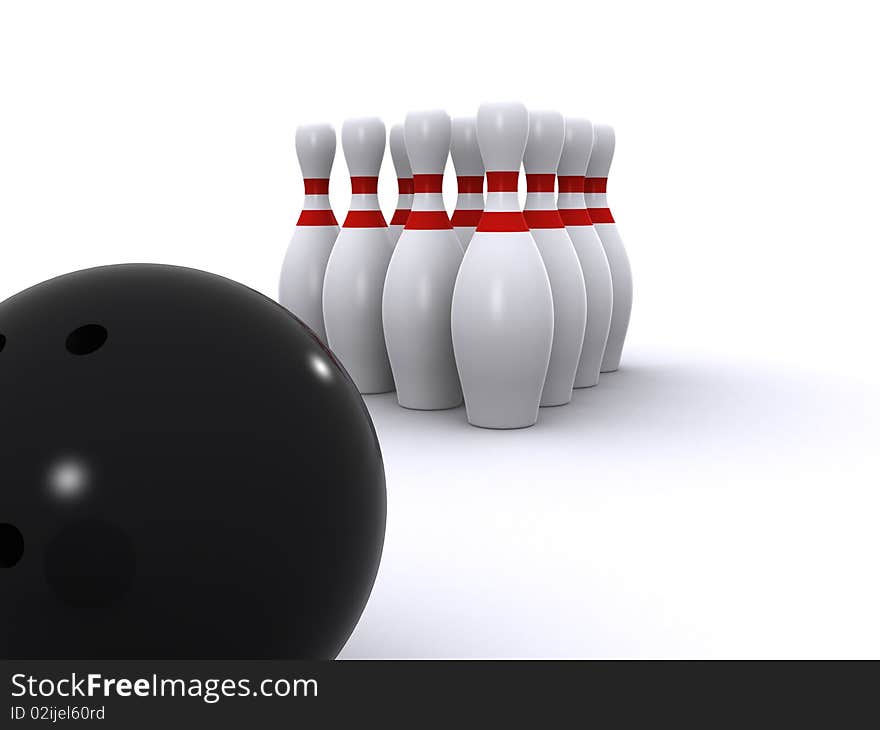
{"x": 417, "y": 301}
{"x": 546, "y": 134}
{"x": 404, "y": 182}
{"x": 603, "y": 222}
{"x": 469, "y": 176}
{"x": 302, "y": 273}
{"x": 358, "y": 264}
{"x": 502, "y": 307}
{"x": 597, "y": 275}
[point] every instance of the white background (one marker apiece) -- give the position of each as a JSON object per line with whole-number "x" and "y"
{"x": 718, "y": 495}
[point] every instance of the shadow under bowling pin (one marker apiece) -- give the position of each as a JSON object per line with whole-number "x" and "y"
{"x": 603, "y": 222}
{"x": 502, "y": 307}
{"x": 358, "y": 264}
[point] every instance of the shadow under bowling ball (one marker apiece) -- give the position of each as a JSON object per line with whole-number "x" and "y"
{"x": 185, "y": 472}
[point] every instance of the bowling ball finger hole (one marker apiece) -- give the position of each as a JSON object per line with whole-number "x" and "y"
{"x": 86, "y": 339}
{"x": 11, "y": 545}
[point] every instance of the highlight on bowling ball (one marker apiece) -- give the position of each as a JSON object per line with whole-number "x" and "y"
{"x": 187, "y": 472}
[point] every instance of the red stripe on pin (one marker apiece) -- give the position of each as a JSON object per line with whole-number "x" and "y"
{"x": 540, "y": 183}
{"x": 317, "y": 218}
{"x": 502, "y": 222}
{"x": 364, "y": 219}
{"x": 543, "y": 219}
{"x": 571, "y": 184}
{"x": 502, "y": 182}
{"x": 399, "y": 217}
{"x": 470, "y": 184}
{"x": 427, "y": 220}
{"x": 575, "y": 216}
{"x": 466, "y": 218}
{"x": 317, "y": 186}
{"x": 601, "y": 215}
{"x": 595, "y": 184}
{"x": 405, "y": 185}
{"x": 364, "y": 185}
{"x": 428, "y": 183}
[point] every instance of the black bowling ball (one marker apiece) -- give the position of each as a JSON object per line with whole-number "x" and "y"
{"x": 185, "y": 472}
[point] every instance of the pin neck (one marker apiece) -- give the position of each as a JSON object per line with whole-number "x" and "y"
{"x": 364, "y": 193}
{"x": 364, "y": 211}
{"x": 469, "y": 203}
{"x": 428, "y": 183}
{"x": 571, "y": 203}
{"x": 428, "y": 192}
{"x": 502, "y": 181}
{"x": 502, "y": 213}
{"x": 317, "y": 185}
{"x": 404, "y": 201}
{"x": 571, "y": 184}
{"x": 363, "y": 185}
{"x": 595, "y": 184}
{"x": 502, "y": 191}
{"x": 470, "y": 184}
{"x": 316, "y": 209}
{"x": 596, "y": 199}
{"x": 540, "y": 189}
{"x": 540, "y": 183}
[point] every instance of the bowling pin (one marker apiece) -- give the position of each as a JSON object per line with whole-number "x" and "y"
{"x": 404, "y": 182}
{"x": 469, "y": 171}
{"x": 417, "y": 301}
{"x": 603, "y": 222}
{"x": 597, "y": 274}
{"x": 358, "y": 264}
{"x": 302, "y": 273}
{"x": 544, "y": 146}
{"x": 502, "y": 307}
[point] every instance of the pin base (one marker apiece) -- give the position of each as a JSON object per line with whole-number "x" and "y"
{"x": 502, "y": 428}
{"x": 556, "y": 404}
{"x": 418, "y": 407}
